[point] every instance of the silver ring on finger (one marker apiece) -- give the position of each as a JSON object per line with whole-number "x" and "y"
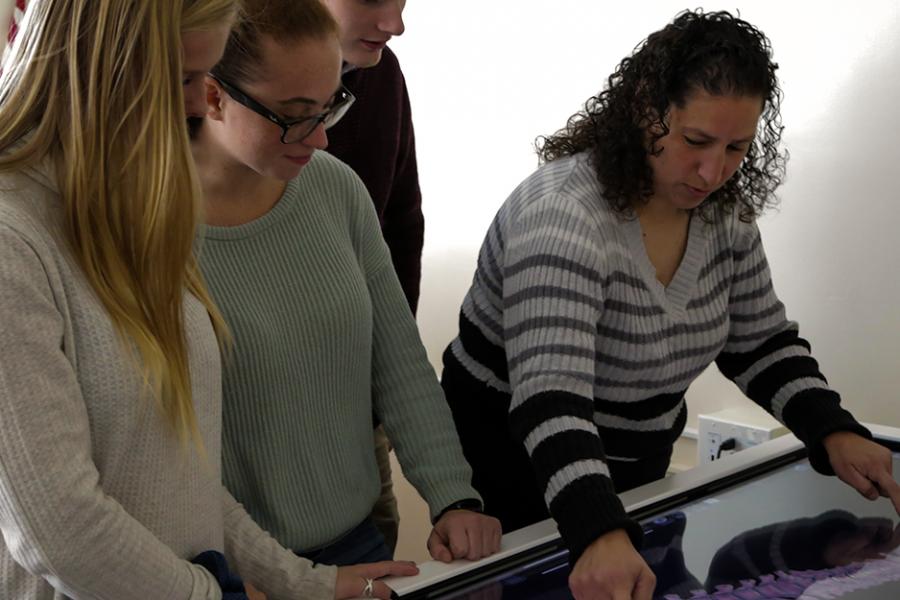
{"x": 369, "y": 590}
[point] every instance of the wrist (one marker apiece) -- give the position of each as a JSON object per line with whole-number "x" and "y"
{"x": 472, "y": 504}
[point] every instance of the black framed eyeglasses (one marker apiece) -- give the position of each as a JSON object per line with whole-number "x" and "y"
{"x": 298, "y": 129}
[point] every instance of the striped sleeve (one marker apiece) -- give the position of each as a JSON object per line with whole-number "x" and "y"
{"x": 552, "y": 294}
{"x": 769, "y": 361}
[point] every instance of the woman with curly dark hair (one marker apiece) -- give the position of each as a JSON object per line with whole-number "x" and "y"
{"x": 617, "y": 273}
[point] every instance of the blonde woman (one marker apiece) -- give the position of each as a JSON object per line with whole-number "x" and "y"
{"x": 109, "y": 344}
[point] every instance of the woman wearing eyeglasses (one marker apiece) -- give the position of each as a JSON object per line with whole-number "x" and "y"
{"x": 110, "y": 371}
{"x": 323, "y": 335}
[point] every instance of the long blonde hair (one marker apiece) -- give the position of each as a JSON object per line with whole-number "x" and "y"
{"x": 93, "y": 87}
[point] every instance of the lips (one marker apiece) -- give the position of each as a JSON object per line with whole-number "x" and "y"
{"x": 374, "y": 44}
{"x": 299, "y": 160}
{"x": 695, "y": 191}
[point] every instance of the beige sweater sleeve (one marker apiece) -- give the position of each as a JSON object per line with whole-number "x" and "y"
{"x": 55, "y": 519}
{"x": 261, "y": 560}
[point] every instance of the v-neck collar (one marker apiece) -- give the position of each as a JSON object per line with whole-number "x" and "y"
{"x": 675, "y": 296}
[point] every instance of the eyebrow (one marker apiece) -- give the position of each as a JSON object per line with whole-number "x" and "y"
{"x": 307, "y": 101}
{"x": 707, "y": 137}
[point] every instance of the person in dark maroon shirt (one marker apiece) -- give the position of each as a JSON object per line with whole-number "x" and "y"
{"x": 376, "y": 139}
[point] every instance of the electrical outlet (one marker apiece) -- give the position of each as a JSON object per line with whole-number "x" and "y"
{"x": 736, "y": 428}
{"x": 713, "y": 443}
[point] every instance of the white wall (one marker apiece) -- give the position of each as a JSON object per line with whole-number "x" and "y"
{"x": 488, "y": 76}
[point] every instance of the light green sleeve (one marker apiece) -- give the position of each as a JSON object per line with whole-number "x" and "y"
{"x": 406, "y": 394}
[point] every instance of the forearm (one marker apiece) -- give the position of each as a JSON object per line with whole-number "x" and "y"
{"x": 261, "y": 560}
{"x": 781, "y": 377}
{"x": 558, "y": 432}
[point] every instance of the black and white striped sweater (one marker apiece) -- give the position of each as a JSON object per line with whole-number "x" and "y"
{"x": 566, "y": 317}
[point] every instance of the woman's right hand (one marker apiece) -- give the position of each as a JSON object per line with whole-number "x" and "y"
{"x": 352, "y": 580}
{"x": 611, "y": 569}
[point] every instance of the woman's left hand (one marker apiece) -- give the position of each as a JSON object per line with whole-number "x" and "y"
{"x": 863, "y": 465}
{"x": 464, "y": 534}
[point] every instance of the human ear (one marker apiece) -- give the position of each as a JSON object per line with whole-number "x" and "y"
{"x": 213, "y": 96}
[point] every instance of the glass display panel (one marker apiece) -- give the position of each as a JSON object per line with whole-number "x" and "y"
{"x": 790, "y": 533}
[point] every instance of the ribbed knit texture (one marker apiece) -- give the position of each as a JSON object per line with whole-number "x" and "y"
{"x": 376, "y": 139}
{"x": 323, "y": 335}
{"x": 97, "y": 497}
{"x": 566, "y": 316}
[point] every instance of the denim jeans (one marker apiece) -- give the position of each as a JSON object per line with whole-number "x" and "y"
{"x": 362, "y": 544}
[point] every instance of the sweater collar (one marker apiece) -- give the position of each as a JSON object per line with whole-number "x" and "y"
{"x": 41, "y": 171}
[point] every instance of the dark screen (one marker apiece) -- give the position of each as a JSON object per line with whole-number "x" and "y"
{"x": 790, "y": 533}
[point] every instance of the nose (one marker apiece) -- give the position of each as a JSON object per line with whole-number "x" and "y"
{"x": 712, "y": 167}
{"x": 194, "y": 100}
{"x": 391, "y": 20}
{"x": 317, "y": 138}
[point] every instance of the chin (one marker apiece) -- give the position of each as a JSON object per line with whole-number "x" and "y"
{"x": 288, "y": 173}
{"x": 364, "y": 60}
{"x": 689, "y": 203}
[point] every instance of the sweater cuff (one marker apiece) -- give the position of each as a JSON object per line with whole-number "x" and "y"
{"x": 588, "y": 508}
{"x": 813, "y": 416}
{"x": 231, "y": 585}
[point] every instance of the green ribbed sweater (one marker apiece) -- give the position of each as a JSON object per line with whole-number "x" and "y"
{"x": 322, "y": 335}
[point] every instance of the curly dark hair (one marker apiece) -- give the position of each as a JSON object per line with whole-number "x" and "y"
{"x": 716, "y": 52}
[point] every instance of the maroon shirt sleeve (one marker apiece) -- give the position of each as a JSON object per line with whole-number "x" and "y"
{"x": 377, "y": 140}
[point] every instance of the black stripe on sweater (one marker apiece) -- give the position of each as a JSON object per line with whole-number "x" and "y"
{"x": 732, "y": 364}
{"x": 640, "y": 410}
{"x": 764, "y": 386}
{"x": 564, "y": 448}
{"x": 545, "y": 406}
{"x": 638, "y": 444}
{"x": 481, "y": 349}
